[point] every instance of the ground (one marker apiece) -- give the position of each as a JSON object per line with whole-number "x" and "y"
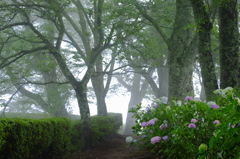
{"x": 113, "y": 148}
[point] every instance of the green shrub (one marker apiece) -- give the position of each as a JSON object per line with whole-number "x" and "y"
{"x": 191, "y": 129}
{"x": 102, "y": 127}
{"x": 27, "y": 115}
{"x": 29, "y": 138}
{"x": 36, "y": 115}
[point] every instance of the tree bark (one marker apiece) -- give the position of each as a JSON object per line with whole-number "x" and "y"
{"x": 137, "y": 93}
{"x": 97, "y": 81}
{"x": 181, "y": 55}
{"x": 229, "y": 45}
{"x": 57, "y": 105}
{"x": 204, "y": 27}
{"x": 86, "y": 126}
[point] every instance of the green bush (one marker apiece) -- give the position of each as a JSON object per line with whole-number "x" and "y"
{"x": 36, "y": 115}
{"x": 102, "y": 126}
{"x": 29, "y": 138}
{"x": 191, "y": 129}
{"x": 27, "y": 115}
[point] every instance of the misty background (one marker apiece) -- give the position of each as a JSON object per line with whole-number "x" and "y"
{"x": 92, "y": 57}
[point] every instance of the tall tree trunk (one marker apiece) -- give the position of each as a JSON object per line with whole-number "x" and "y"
{"x": 130, "y": 121}
{"x": 163, "y": 75}
{"x": 181, "y": 56}
{"x": 180, "y": 53}
{"x": 81, "y": 95}
{"x": 98, "y": 86}
{"x": 137, "y": 91}
{"x": 229, "y": 45}
{"x": 57, "y": 105}
{"x": 204, "y": 27}
{"x": 86, "y": 126}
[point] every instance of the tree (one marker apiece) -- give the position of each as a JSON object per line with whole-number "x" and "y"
{"x": 204, "y": 27}
{"x": 43, "y": 66}
{"x": 180, "y": 46}
{"x": 77, "y": 27}
{"x": 228, "y": 41}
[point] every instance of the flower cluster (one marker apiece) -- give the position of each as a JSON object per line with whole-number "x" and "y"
{"x": 192, "y": 124}
{"x": 163, "y": 126}
{"x": 188, "y": 124}
{"x": 157, "y": 139}
{"x": 150, "y": 122}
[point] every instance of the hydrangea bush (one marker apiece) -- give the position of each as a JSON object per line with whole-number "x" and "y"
{"x": 191, "y": 128}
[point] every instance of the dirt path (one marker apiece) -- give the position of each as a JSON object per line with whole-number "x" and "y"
{"x": 113, "y": 148}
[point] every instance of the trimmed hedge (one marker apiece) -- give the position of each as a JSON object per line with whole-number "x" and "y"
{"x": 50, "y": 138}
{"x": 33, "y": 139}
{"x": 36, "y": 115}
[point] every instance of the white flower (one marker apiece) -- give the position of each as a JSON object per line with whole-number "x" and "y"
{"x": 163, "y": 100}
{"x": 238, "y": 100}
{"x": 129, "y": 139}
{"x": 134, "y": 140}
{"x": 168, "y": 108}
{"x": 228, "y": 89}
{"x": 217, "y": 91}
{"x": 157, "y": 100}
{"x": 179, "y": 103}
{"x": 210, "y": 103}
{"x": 197, "y": 99}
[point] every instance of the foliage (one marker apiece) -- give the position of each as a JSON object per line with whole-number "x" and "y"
{"x": 35, "y": 115}
{"x": 191, "y": 129}
{"x": 102, "y": 126}
{"x": 29, "y": 138}
{"x": 27, "y": 115}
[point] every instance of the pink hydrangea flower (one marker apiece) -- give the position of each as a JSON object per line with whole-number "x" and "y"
{"x": 192, "y": 125}
{"x": 151, "y": 122}
{"x": 165, "y": 137}
{"x": 163, "y": 126}
{"x": 216, "y": 122}
{"x": 193, "y": 120}
{"x": 148, "y": 108}
{"x": 144, "y": 124}
{"x": 155, "y": 105}
{"x": 188, "y": 98}
{"x": 155, "y": 139}
{"x": 214, "y": 106}
{"x": 233, "y": 126}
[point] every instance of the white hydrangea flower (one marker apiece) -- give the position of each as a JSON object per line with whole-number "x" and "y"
{"x": 179, "y": 103}
{"x": 157, "y": 100}
{"x": 210, "y": 103}
{"x": 238, "y": 100}
{"x": 129, "y": 139}
{"x": 197, "y": 99}
{"x": 168, "y": 108}
{"x": 218, "y": 91}
{"x": 228, "y": 89}
{"x": 163, "y": 100}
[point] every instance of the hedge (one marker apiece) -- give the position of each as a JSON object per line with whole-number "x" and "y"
{"x": 52, "y": 137}
{"x": 33, "y": 139}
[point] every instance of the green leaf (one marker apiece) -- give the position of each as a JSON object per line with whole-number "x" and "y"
{"x": 211, "y": 142}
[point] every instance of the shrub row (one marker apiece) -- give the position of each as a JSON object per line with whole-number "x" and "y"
{"x": 35, "y": 115}
{"x": 50, "y": 138}
{"x": 29, "y": 138}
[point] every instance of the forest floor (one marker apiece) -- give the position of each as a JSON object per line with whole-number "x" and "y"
{"x": 113, "y": 148}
